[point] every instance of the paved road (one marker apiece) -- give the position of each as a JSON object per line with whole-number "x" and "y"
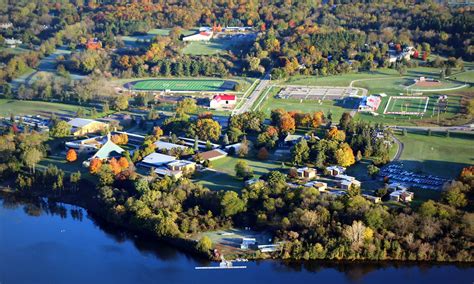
{"x": 401, "y": 146}
{"x": 250, "y": 101}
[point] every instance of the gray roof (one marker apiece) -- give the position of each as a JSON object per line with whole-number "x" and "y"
{"x": 168, "y": 146}
{"x": 157, "y": 159}
{"x": 80, "y": 122}
{"x": 108, "y": 150}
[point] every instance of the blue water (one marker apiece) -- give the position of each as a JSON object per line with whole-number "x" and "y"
{"x": 42, "y": 243}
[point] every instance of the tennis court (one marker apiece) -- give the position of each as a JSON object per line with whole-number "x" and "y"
{"x": 181, "y": 85}
{"x": 406, "y": 105}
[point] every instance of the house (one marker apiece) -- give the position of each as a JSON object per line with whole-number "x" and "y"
{"x": 374, "y": 199}
{"x": 156, "y": 160}
{"x": 83, "y": 126}
{"x": 201, "y": 36}
{"x": 247, "y": 243}
{"x": 168, "y": 146}
{"x": 335, "y": 170}
{"x": 306, "y": 173}
{"x": 11, "y": 42}
{"x": 93, "y": 44}
{"x": 213, "y": 155}
{"x": 346, "y": 182}
{"x": 223, "y": 101}
{"x": 402, "y": 196}
{"x": 369, "y": 103}
{"x": 319, "y": 185}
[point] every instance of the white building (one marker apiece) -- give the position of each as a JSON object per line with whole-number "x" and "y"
{"x": 223, "y": 101}
{"x": 11, "y": 42}
{"x": 335, "y": 170}
{"x": 156, "y": 160}
{"x": 402, "y": 196}
{"x": 168, "y": 146}
{"x": 201, "y": 36}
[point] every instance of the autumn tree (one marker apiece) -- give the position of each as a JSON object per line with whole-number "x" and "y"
{"x": 262, "y": 154}
{"x": 121, "y": 102}
{"x": 243, "y": 170}
{"x": 95, "y": 165}
{"x": 336, "y": 134}
{"x": 115, "y": 166}
{"x": 345, "y": 155}
{"x": 71, "y": 155}
{"x": 318, "y": 119}
{"x": 123, "y": 162}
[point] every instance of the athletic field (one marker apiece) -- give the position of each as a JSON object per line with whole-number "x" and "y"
{"x": 406, "y": 105}
{"x": 181, "y": 85}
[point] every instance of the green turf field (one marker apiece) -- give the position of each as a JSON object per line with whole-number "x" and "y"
{"x": 406, "y": 105}
{"x": 18, "y": 107}
{"x": 181, "y": 85}
{"x": 437, "y": 154}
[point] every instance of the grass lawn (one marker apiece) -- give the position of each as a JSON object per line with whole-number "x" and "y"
{"x": 467, "y": 76}
{"x": 337, "y": 108}
{"x": 215, "y": 46}
{"x": 18, "y": 107}
{"x": 218, "y": 181}
{"x": 430, "y": 116}
{"x": 437, "y": 154}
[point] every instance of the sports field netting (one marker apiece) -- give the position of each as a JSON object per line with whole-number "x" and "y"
{"x": 406, "y": 105}
{"x": 181, "y": 85}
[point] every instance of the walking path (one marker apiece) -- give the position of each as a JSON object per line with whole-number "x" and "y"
{"x": 247, "y": 105}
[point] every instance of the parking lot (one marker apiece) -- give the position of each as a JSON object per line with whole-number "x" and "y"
{"x": 395, "y": 172}
{"x": 316, "y": 93}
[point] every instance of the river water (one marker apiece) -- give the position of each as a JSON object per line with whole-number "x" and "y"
{"x": 43, "y": 242}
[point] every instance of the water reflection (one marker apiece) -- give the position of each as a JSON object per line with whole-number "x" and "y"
{"x": 173, "y": 263}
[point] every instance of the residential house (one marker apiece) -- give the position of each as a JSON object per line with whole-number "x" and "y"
{"x": 346, "y": 182}
{"x": 213, "y": 155}
{"x": 319, "y": 185}
{"x": 335, "y": 170}
{"x": 83, "y": 126}
{"x": 402, "y": 196}
{"x": 306, "y": 173}
{"x": 223, "y": 101}
{"x": 292, "y": 139}
{"x": 372, "y": 198}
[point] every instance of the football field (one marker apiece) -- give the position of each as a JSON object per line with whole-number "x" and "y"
{"x": 181, "y": 85}
{"x": 406, "y": 105}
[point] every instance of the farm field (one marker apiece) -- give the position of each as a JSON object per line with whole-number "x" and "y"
{"x": 437, "y": 154}
{"x": 18, "y": 107}
{"x": 181, "y": 85}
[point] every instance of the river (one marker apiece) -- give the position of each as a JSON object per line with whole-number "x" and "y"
{"x": 43, "y": 242}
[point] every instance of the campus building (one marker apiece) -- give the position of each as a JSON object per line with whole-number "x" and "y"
{"x": 83, "y": 126}
{"x": 369, "y": 103}
{"x": 201, "y": 36}
{"x": 223, "y": 101}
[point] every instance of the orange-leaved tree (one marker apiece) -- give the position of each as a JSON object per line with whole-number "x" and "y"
{"x": 123, "y": 162}
{"x": 95, "y": 165}
{"x": 71, "y": 155}
{"x": 114, "y": 166}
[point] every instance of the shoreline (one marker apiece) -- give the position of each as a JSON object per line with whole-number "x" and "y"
{"x": 187, "y": 245}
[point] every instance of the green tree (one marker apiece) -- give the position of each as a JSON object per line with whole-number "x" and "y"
{"x": 121, "y": 102}
{"x": 300, "y": 153}
{"x": 31, "y": 157}
{"x": 204, "y": 245}
{"x": 231, "y": 204}
{"x": 60, "y": 129}
{"x": 242, "y": 170}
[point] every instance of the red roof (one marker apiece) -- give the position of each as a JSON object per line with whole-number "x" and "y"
{"x": 224, "y": 97}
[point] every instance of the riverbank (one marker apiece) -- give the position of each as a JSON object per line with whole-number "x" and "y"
{"x": 87, "y": 199}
